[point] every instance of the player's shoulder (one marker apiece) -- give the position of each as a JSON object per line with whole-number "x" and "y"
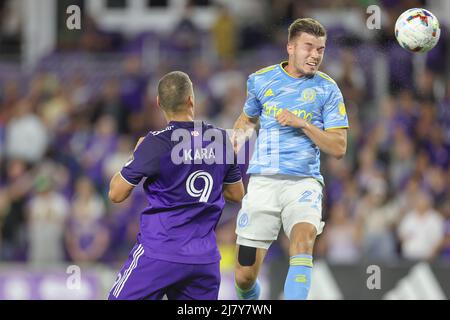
{"x": 162, "y": 136}
{"x": 161, "y": 133}
{"x": 324, "y": 79}
{"x": 210, "y": 126}
{"x": 265, "y": 71}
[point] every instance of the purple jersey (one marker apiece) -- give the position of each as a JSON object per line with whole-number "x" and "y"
{"x": 185, "y": 199}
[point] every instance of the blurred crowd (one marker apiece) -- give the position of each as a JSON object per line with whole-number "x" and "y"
{"x": 65, "y": 131}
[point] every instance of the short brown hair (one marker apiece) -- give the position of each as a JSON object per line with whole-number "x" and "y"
{"x": 173, "y": 91}
{"x": 307, "y": 25}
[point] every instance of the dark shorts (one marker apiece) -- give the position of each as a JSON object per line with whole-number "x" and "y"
{"x": 145, "y": 278}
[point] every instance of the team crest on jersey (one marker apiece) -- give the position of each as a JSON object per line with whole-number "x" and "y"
{"x": 309, "y": 95}
{"x": 243, "y": 220}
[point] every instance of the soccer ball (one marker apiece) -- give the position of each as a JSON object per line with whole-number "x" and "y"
{"x": 417, "y": 30}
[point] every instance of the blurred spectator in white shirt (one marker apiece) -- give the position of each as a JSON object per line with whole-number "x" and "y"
{"x": 47, "y": 213}
{"x": 26, "y": 135}
{"x": 421, "y": 230}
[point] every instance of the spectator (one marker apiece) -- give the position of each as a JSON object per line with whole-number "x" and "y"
{"x": 224, "y": 35}
{"x": 47, "y": 213}
{"x": 377, "y": 218}
{"x": 340, "y": 239}
{"x": 421, "y": 230}
{"x": 26, "y": 136}
{"x": 16, "y": 192}
{"x": 86, "y": 236}
{"x": 101, "y": 145}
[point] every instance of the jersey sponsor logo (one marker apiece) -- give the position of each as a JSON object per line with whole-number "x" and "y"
{"x": 204, "y": 193}
{"x": 274, "y": 111}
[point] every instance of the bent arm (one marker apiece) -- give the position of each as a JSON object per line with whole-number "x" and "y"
{"x": 330, "y": 141}
{"x": 242, "y": 130}
{"x": 119, "y": 188}
{"x": 234, "y": 192}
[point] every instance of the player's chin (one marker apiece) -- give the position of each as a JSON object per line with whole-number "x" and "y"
{"x": 310, "y": 70}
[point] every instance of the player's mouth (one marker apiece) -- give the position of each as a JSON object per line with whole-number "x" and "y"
{"x": 312, "y": 64}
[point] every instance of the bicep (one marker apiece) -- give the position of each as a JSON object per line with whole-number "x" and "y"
{"x": 252, "y": 107}
{"x": 334, "y": 111}
{"x": 119, "y": 188}
{"x": 145, "y": 161}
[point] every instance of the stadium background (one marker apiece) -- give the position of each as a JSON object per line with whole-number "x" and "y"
{"x": 74, "y": 102}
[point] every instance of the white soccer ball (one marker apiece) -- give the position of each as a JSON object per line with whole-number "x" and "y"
{"x": 417, "y": 30}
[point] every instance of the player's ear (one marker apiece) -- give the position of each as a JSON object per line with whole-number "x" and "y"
{"x": 157, "y": 102}
{"x": 290, "y": 47}
{"x": 191, "y": 101}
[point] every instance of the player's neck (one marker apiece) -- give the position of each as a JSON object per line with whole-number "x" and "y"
{"x": 180, "y": 117}
{"x": 292, "y": 71}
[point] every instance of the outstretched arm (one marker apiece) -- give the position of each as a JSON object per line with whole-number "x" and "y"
{"x": 332, "y": 141}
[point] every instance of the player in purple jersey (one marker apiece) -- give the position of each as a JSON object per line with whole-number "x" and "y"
{"x": 176, "y": 253}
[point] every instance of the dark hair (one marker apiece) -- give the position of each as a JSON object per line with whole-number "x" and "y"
{"x": 173, "y": 90}
{"x": 307, "y": 25}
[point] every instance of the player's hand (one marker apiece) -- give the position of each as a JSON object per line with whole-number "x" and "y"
{"x": 139, "y": 142}
{"x": 287, "y": 118}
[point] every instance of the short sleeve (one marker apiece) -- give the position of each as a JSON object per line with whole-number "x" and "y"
{"x": 145, "y": 161}
{"x": 252, "y": 107}
{"x": 233, "y": 174}
{"x": 334, "y": 113}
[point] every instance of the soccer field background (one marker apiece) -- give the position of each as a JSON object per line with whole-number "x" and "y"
{"x": 78, "y": 82}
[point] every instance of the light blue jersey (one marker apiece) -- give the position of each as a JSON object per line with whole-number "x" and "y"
{"x": 287, "y": 150}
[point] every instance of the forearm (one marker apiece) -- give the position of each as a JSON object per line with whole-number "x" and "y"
{"x": 243, "y": 128}
{"x": 333, "y": 141}
{"x": 328, "y": 141}
{"x": 244, "y": 123}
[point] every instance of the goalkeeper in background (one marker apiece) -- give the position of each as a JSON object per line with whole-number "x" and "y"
{"x": 301, "y": 112}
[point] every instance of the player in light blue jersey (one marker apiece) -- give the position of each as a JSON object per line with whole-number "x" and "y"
{"x": 301, "y": 112}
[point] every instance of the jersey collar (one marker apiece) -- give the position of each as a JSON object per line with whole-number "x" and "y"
{"x": 283, "y": 64}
